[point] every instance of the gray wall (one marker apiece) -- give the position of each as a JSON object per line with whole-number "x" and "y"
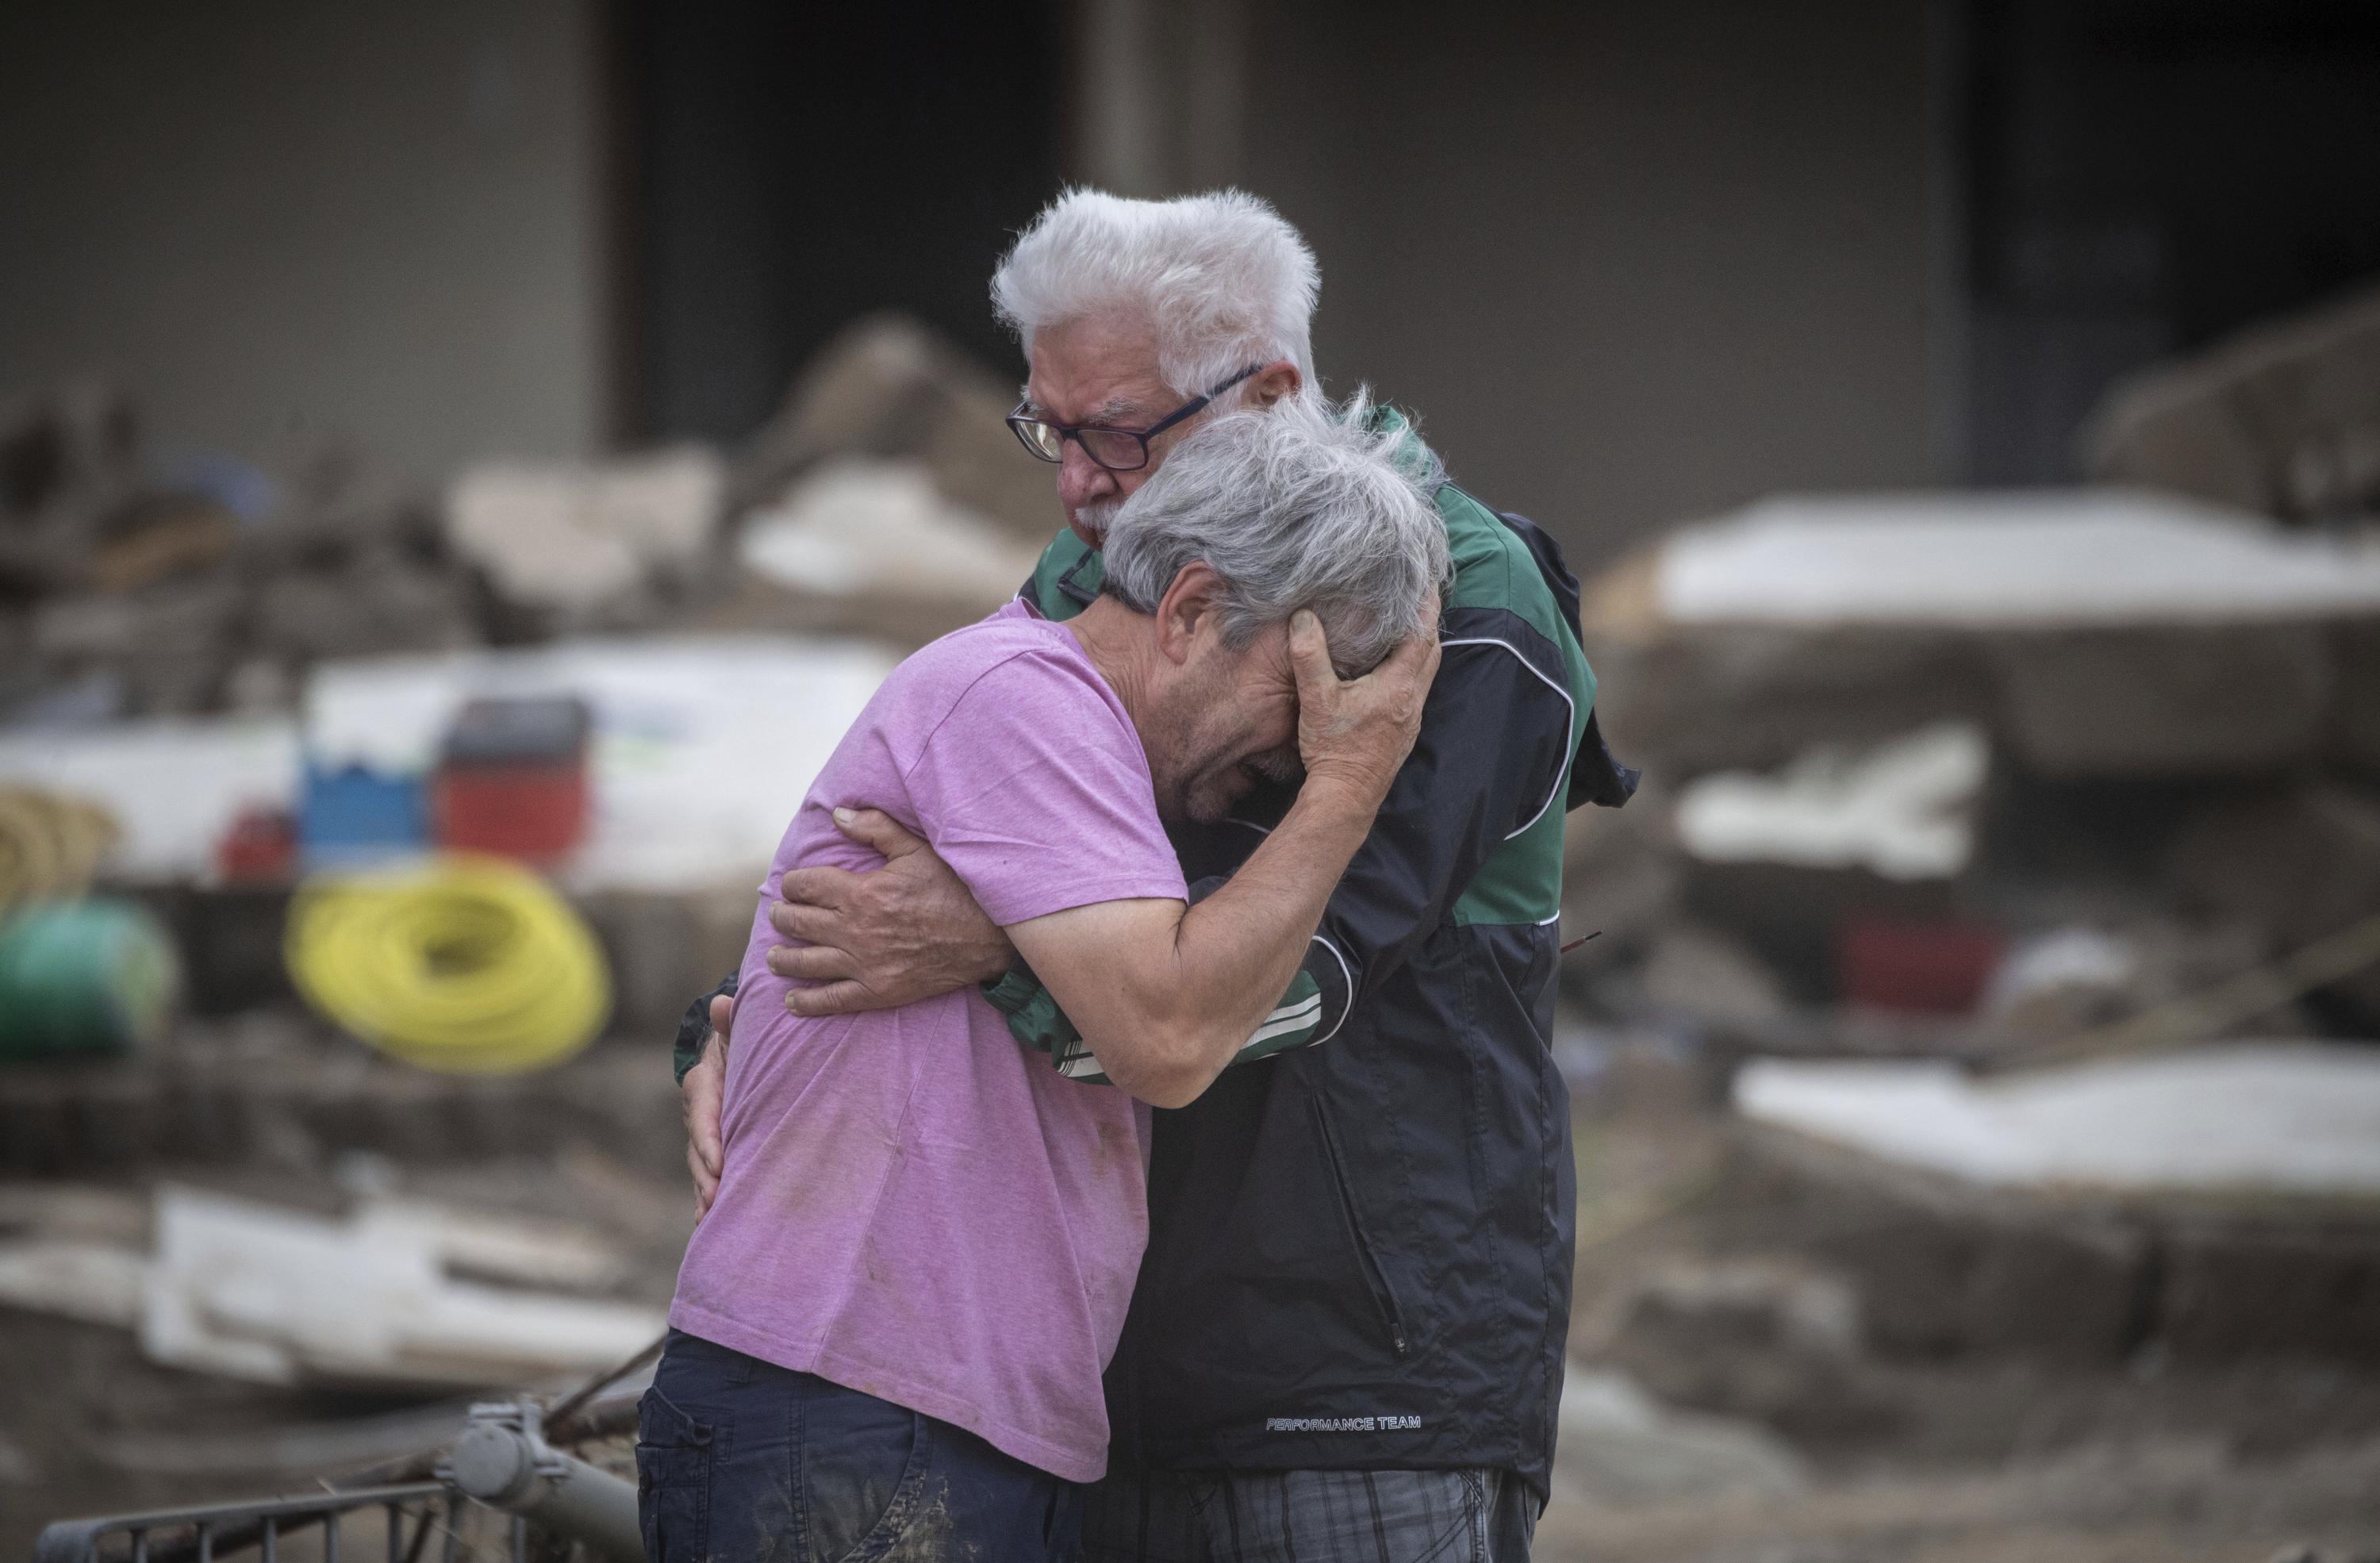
{"x": 280, "y": 221}
{"x": 1632, "y": 261}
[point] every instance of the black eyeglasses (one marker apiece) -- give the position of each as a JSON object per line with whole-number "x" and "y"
{"x": 1118, "y": 450}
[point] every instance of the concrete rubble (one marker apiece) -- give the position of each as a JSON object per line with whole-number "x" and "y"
{"x": 574, "y": 539}
{"x": 1906, "y": 727}
{"x": 140, "y": 579}
{"x": 2296, "y": 1119}
{"x": 859, "y": 524}
{"x": 2282, "y": 418}
{"x": 2099, "y": 635}
{"x": 2207, "y": 1209}
{"x": 887, "y": 387}
{"x": 396, "y": 1296}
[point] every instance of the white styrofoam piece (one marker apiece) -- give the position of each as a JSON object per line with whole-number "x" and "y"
{"x": 2293, "y": 1118}
{"x": 208, "y": 1246}
{"x": 505, "y": 1248}
{"x": 862, "y": 523}
{"x": 2069, "y": 958}
{"x": 174, "y": 784}
{"x": 96, "y": 1282}
{"x": 1903, "y": 809}
{"x": 2014, "y": 558}
{"x": 253, "y": 1291}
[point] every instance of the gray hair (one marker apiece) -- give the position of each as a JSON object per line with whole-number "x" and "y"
{"x": 1220, "y": 280}
{"x": 1295, "y": 505}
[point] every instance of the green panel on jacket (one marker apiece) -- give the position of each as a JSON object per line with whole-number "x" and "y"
{"x": 1521, "y": 881}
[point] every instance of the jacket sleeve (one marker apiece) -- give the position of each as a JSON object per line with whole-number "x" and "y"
{"x": 693, "y": 1027}
{"x": 1493, "y": 758}
{"x": 1496, "y": 738}
{"x": 1035, "y": 1020}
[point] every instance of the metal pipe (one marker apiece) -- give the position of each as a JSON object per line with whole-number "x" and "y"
{"x": 503, "y": 1460}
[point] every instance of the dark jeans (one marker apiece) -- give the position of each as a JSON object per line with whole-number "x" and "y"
{"x": 738, "y": 1460}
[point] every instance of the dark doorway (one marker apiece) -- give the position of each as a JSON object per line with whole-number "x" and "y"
{"x": 792, "y": 166}
{"x": 2143, "y": 177}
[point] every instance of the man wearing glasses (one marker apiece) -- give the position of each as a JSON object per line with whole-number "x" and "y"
{"x": 1347, "y": 1336}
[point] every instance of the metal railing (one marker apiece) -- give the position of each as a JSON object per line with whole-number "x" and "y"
{"x": 269, "y": 1526}
{"x": 499, "y": 1474}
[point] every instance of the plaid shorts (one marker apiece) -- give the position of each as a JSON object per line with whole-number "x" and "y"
{"x": 1309, "y": 1516}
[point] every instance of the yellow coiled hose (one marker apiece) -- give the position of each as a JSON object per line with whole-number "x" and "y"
{"x": 469, "y": 966}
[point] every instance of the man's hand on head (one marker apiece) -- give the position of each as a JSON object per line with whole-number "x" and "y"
{"x": 699, "y": 1100}
{"x": 908, "y": 931}
{"x": 1357, "y": 732}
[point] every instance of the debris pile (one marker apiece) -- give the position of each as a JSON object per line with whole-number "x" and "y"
{"x": 608, "y": 671}
{"x": 2283, "y": 418}
{"x": 604, "y": 543}
{"x": 135, "y": 579}
{"x": 2003, "y": 766}
{"x": 142, "y": 578}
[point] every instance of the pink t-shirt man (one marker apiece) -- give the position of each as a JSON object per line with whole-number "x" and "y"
{"x": 912, "y": 1205}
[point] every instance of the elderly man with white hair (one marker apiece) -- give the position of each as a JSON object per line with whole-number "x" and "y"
{"x": 890, "y": 1325}
{"x": 1347, "y": 1336}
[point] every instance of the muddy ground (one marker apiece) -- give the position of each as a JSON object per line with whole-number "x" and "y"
{"x": 1765, "y": 1426}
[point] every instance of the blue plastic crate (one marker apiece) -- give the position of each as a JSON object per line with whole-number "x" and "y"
{"x": 352, "y": 815}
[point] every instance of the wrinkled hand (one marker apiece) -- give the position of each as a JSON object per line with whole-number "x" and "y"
{"x": 1359, "y": 731}
{"x": 908, "y": 931}
{"x": 699, "y": 1100}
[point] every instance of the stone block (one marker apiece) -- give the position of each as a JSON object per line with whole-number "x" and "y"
{"x": 2282, "y": 418}
{"x": 1761, "y": 1338}
{"x": 1943, "y": 1269}
{"x": 1722, "y": 697}
{"x": 2232, "y": 1291}
{"x": 572, "y": 539}
{"x": 2146, "y": 701}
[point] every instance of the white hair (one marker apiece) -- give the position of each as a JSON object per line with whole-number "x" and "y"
{"x": 1298, "y": 505}
{"x": 1220, "y": 279}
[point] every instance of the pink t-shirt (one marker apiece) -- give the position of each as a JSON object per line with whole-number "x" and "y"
{"x": 912, "y": 1205}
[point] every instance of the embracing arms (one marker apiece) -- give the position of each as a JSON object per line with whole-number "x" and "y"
{"x": 1163, "y": 993}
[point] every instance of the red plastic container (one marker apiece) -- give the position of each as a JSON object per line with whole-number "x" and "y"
{"x": 1925, "y": 967}
{"x": 512, "y": 779}
{"x": 260, "y": 848}
{"x": 536, "y": 813}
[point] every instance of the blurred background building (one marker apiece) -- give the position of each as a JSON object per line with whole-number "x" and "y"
{"x": 1633, "y": 261}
